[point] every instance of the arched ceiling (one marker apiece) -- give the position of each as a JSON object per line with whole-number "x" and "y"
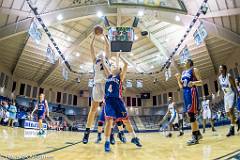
{"x": 72, "y": 33}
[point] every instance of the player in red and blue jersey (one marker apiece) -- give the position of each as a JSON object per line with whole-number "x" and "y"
{"x": 188, "y": 81}
{"x": 42, "y": 108}
{"x": 114, "y": 105}
{"x": 101, "y": 121}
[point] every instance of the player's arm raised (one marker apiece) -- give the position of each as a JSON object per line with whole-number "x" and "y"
{"x": 124, "y": 69}
{"x": 107, "y": 47}
{"x": 92, "y": 51}
{"x": 199, "y": 79}
{"x": 178, "y": 77}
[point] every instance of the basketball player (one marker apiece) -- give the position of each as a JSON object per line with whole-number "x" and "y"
{"x": 237, "y": 82}
{"x": 229, "y": 89}
{"x": 115, "y": 108}
{"x": 42, "y": 108}
{"x": 207, "y": 113}
{"x": 174, "y": 119}
{"x": 100, "y": 65}
{"x": 188, "y": 81}
{"x": 101, "y": 122}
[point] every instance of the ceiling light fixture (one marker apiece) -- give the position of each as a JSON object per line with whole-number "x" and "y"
{"x": 77, "y": 54}
{"x": 59, "y": 17}
{"x": 99, "y": 14}
{"x": 140, "y": 13}
{"x": 177, "y": 18}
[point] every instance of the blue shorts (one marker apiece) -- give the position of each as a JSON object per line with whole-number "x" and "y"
{"x": 115, "y": 109}
{"x": 238, "y": 104}
{"x": 41, "y": 114}
{"x": 101, "y": 117}
{"x": 191, "y": 102}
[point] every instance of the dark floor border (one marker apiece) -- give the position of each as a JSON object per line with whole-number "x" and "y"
{"x": 229, "y": 154}
{"x": 41, "y": 154}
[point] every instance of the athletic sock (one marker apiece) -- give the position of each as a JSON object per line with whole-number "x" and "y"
{"x": 107, "y": 139}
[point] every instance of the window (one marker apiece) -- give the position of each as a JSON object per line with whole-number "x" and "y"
{"x": 28, "y": 91}
{"x": 1, "y": 79}
{"x": 235, "y": 70}
{"x": 59, "y": 96}
{"x": 89, "y": 101}
{"x": 74, "y": 100}
{"x": 69, "y": 99}
{"x": 165, "y": 101}
{"x": 14, "y": 86}
{"x": 139, "y": 102}
{"x": 216, "y": 86}
{"x": 22, "y": 89}
{"x": 64, "y": 98}
{"x": 154, "y": 100}
{"x": 159, "y": 99}
{"x": 175, "y": 95}
{"x": 205, "y": 87}
{"x": 34, "y": 93}
{"x": 128, "y": 101}
{"x": 41, "y": 90}
{"x": 6, "y": 82}
{"x": 134, "y": 102}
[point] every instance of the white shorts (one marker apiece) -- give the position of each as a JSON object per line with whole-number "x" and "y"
{"x": 207, "y": 114}
{"x": 174, "y": 118}
{"x": 229, "y": 100}
{"x": 98, "y": 92}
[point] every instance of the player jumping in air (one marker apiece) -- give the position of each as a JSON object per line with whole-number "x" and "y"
{"x": 100, "y": 65}
{"x": 115, "y": 108}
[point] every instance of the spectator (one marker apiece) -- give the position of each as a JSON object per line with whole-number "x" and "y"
{"x": 12, "y": 113}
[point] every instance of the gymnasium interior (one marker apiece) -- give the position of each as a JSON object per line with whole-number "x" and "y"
{"x": 45, "y": 48}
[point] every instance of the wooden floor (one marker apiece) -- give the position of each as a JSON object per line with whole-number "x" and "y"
{"x": 16, "y": 143}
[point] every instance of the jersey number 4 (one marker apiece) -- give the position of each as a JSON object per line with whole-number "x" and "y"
{"x": 110, "y": 88}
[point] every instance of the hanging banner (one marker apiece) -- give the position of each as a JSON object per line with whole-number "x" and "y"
{"x": 65, "y": 73}
{"x": 90, "y": 83}
{"x": 50, "y": 55}
{"x": 35, "y": 33}
{"x": 200, "y": 35}
{"x": 184, "y": 55}
{"x": 168, "y": 74}
{"x": 139, "y": 83}
{"x": 128, "y": 83}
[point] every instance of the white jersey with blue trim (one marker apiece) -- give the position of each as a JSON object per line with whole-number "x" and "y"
{"x": 171, "y": 108}
{"x": 205, "y": 105}
{"x": 225, "y": 84}
{"x": 98, "y": 68}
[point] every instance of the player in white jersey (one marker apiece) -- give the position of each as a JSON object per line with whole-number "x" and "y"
{"x": 229, "y": 89}
{"x": 174, "y": 119}
{"x": 100, "y": 65}
{"x": 207, "y": 113}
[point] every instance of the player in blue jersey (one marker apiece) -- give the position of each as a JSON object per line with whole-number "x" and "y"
{"x": 115, "y": 108}
{"x": 188, "y": 81}
{"x": 42, "y": 109}
{"x": 101, "y": 122}
{"x": 100, "y": 65}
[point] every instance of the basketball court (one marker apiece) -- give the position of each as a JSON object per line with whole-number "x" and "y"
{"x": 25, "y": 144}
